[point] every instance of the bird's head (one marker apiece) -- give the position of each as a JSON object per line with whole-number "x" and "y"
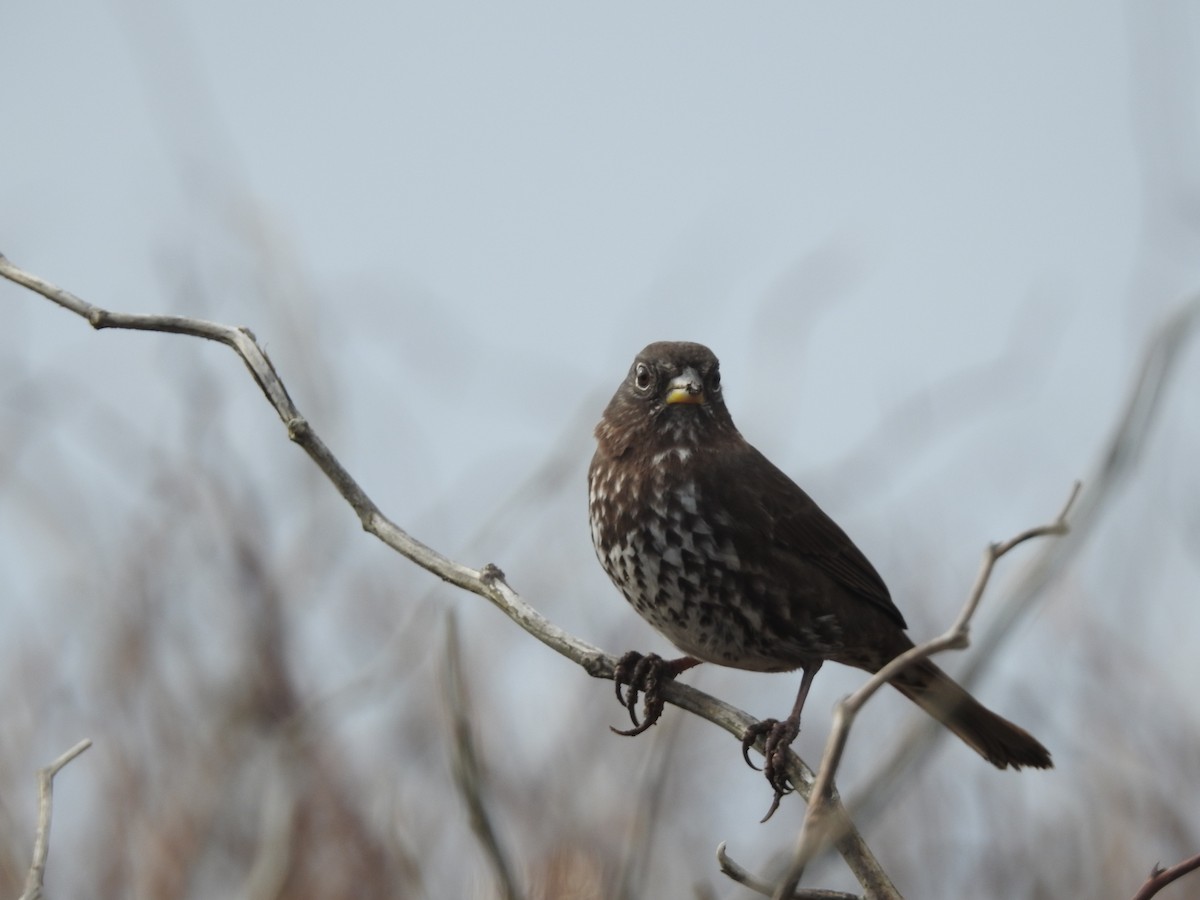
{"x": 670, "y": 398}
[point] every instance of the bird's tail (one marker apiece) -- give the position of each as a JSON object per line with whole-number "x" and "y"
{"x": 993, "y": 737}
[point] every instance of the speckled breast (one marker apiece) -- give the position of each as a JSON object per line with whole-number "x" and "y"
{"x": 671, "y": 556}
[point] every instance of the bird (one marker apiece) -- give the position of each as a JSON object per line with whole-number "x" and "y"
{"x": 734, "y": 564}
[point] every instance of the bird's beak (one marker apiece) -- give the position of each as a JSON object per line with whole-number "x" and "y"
{"x": 686, "y": 388}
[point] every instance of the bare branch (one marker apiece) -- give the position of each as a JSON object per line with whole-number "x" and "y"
{"x": 818, "y": 826}
{"x": 1118, "y": 458}
{"x": 488, "y": 582}
{"x": 1160, "y": 878}
{"x": 36, "y": 878}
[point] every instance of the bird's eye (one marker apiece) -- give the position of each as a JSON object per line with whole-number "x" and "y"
{"x": 643, "y": 378}
{"x": 714, "y": 380}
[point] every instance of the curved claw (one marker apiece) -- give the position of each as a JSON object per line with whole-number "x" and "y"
{"x": 779, "y": 737}
{"x": 632, "y": 732}
{"x": 746, "y": 755}
{"x": 629, "y": 701}
{"x": 774, "y": 806}
{"x": 753, "y": 733}
{"x": 623, "y": 675}
{"x": 645, "y": 676}
{"x": 631, "y": 670}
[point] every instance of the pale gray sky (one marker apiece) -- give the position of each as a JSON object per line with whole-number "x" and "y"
{"x": 561, "y": 185}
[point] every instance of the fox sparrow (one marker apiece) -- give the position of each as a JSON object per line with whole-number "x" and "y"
{"x": 736, "y": 565}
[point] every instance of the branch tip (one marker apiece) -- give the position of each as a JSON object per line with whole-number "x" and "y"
{"x": 814, "y": 832}
{"x": 35, "y": 879}
{"x": 55, "y": 767}
{"x": 1076, "y": 490}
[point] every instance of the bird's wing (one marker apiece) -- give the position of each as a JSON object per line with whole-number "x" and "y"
{"x": 800, "y": 528}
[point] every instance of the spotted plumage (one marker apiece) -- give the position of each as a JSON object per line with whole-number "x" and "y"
{"x": 736, "y": 565}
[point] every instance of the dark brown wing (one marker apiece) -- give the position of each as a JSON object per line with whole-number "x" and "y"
{"x": 797, "y": 528}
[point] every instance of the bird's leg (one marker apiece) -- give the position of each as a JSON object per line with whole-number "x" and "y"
{"x": 779, "y": 737}
{"x": 645, "y": 675}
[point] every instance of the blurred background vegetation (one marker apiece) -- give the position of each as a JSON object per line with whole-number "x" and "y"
{"x": 266, "y": 686}
{"x": 930, "y": 312}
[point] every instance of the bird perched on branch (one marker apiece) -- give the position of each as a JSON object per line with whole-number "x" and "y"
{"x": 736, "y": 565}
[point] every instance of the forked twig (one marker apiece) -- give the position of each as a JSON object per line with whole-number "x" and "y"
{"x": 1160, "y": 878}
{"x": 35, "y": 880}
{"x": 818, "y": 828}
{"x": 1118, "y": 457}
{"x": 744, "y": 878}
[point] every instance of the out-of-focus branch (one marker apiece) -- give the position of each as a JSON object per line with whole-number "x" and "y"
{"x": 744, "y": 878}
{"x": 488, "y": 582}
{"x": 273, "y": 856}
{"x": 36, "y": 878}
{"x": 1160, "y": 878}
{"x": 818, "y": 826}
{"x": 468, "y": 774}
{"x": 1118, "y": 459}
{"x": 1119, "y": 456}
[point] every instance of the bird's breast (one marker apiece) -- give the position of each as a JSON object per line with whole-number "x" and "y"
{"x": 669, "y": 551}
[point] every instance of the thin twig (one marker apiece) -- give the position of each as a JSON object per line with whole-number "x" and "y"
{"x": 35, "y": 880}
{"x": 1160, "y": 878}
{"x": 817, "y": 827}
{"x": 744, "y": 878}
{"x": 468, "y": 774}
{"x": 1118, "y": 457}
{"x": 488, "y": 582}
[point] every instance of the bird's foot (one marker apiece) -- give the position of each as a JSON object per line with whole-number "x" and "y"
{"x": 645, "y": 676}
{"x": 778, "y": 738}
